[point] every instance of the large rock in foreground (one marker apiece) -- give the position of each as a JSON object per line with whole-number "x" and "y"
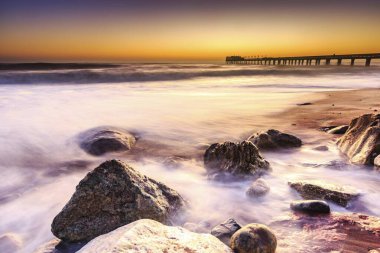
{"x": 151, "y": 236}
{"x": 238, "y": 159}
{"x": 274, "y": 139}
{"x": 254, "y": 238}
{"x": 361, "y": 142}
{"x": 101, "y": 140}
{"x": 314, "y": 189}
{"x": 110, "y": 196}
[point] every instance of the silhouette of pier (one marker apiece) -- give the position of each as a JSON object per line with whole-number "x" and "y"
{"x": 303, "y": 60}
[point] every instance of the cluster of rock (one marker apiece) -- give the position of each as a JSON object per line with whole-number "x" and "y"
{"x": 250, "y": 238}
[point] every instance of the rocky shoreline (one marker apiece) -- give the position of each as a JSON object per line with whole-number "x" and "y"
{"x": 116, "y": 208}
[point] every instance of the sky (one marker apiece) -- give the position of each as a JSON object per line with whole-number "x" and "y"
{"x": 179, "y": 30}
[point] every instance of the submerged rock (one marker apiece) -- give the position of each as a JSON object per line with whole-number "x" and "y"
{"x": 321, "y": 148}
{"x": 10, "y": 242}
{"x": 361, "y": 142}
{"x": 110, "y": 196}
{"x": 238, "y": 159}
{"x": 254, "y": 238}
{"x": 151, "y": 236}
{"x": 314, "y": 189}
{"x": 101, "y": 140}
{"x": 310, "y": 206}
{"x": 258, "y": 188}
{"x": 274, "y": 139}
{"x": 337, "y": 232}
{"x": 225, "y": 230}
{"x": 338, "y": 130}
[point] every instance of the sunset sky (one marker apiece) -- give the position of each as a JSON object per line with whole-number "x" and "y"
{"x": 167, "y": 30}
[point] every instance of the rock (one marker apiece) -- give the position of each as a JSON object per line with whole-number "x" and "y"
{"x": 10, "y": 242}
{"x": 321, "y": 148}
{"x": 310, "y": 206}
{"x": 338, "y": 130}
{"x": 377, "y": 161}
{"x": 57, "y": 246}
{"x": 327, "y": 128}
{"x": 254, "y": 238}
{"x": 274, "y": 139}
{"x": 173, "y": 162}
{"x": 361, "y": 142}
{"x": 314, "y": 189}
{"x": 225, "y": 230}
{"x": 238, "y": 159}
{"x": 303, "y": 104}
{"x": 101, "y": 140}
{"x": 110, "y": 196}
{"x": 151, "y": 236}
{"x": 374, "y": 250}
{"x": 337, "y": 232}
{"x": 258, "y": 188}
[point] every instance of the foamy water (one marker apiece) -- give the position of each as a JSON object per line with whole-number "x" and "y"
{"x": 181, "y": 107}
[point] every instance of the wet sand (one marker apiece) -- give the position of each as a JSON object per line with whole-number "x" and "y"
{"x": 332, "y": 108}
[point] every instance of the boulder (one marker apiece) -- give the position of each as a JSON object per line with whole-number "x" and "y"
{"x": 258, "y": 188}
{"x": 361, "y": 142}
{"x": 314, "y": 189}
{"x": 337, "y": 232}
{"x": 338, "y": 130}
{"x": 254, "y": 238}
{"x": 151, "y": 236}
{"x": 377, "y": 161}
{"x": 310, "y": 206}
{"x": 225, "y": 230}
{"x": 238, "y": 159}
{"x": 110, "y": 196}
{"x": 101, "y": 140}
{"x": 274, "y": 139}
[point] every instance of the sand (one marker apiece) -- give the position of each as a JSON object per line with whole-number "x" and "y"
{"x": 333, "y": 108}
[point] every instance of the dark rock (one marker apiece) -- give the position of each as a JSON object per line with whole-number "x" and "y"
{"x": 57, "y": 246}
{"x": 314, "y": 189}
{"x": 310, "y": 206}
{"x": 337, "y": 232}
{"x": 225, "y": 230}
{"x": 101, "y": 140}
{"x": 258, "y": 188}
{"x": 254, "y": 238}
{"x": 302, "y": 104}
{"x": 321, "y": 148}
{"x": 110, "y": 196}
{"x": 274, "y": 139}
{"x": 361, "y": 142}
{"x": 338, "y": 130}
{"x": 238, "y": 159}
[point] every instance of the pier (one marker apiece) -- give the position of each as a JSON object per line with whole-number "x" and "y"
{"x": 303, "y": 60}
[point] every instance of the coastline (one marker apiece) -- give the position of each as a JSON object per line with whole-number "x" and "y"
{"x": 334, "y": 108}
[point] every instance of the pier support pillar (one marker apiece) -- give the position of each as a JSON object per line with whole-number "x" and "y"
{"x": 352, "y": 61}
{"x": 328, "y": 61}
{"x": 339, "y": 62}
{"x": 368, "y": 62}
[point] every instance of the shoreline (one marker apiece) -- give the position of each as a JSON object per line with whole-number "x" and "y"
{"x": 334, "y": 108}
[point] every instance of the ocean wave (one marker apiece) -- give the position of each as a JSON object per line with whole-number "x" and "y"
{"x": 103, "y": 73}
